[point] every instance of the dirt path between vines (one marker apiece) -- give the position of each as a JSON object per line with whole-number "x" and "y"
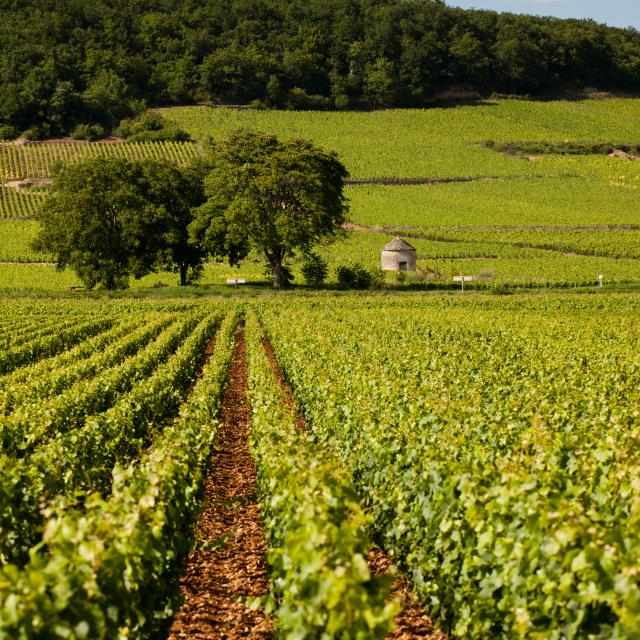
{"x": 412, "y": 621}
{"x": 227, "y": 564}
{"x": 424, "y": 234}
{"x": 406, "y": 182}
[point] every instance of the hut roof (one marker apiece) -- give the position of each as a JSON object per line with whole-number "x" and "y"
{"x": 399, "y": 244}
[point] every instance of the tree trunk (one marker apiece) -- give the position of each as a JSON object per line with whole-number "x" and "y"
{"x": 183, "y": 275}
{"x": 275, "y": 257}
{"x": 276, "y": 267}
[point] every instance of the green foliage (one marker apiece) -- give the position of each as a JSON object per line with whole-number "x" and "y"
{"x": 8, "y": 132}
{"x": 90, "y": 132}
{"x": 492, "y": 442}
{"x": 293, "y": 53}
{"x": 37, "y": 132}
{"x": 41, "y": 160}
{"x": 568, "y": 147}
{"x": 315, "y": 527}
{"x": 401, "y": 277}
{"x": 314, "y": 270}
{"x": 383, "y": 143}
{"x": 564, "y": 239}
{"x": 46, "y": 345}
{"x": 150, "y": 125}
{"x": 354, "y": 276}
{"x": 279, "y": 197}
{"x": 111, "y": 567}
{"x": 299, "y": 100}
{"x": 108, "y": 219}
{"x": 16, "y": 238}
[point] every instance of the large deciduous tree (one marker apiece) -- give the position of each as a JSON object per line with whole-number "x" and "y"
{"x": 109, "y": 219}
{"x": 280, "y": 197}
{"x": 175, "y": 194}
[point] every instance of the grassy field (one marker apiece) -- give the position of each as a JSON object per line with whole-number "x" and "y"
{"x": 521, "y": 219}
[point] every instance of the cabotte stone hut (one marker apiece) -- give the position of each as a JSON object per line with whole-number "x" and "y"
{"x": 399, "y": 255}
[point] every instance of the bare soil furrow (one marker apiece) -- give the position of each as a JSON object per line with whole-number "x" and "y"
{"x": 412, "y": 621}
{"x": 227, "y": 564}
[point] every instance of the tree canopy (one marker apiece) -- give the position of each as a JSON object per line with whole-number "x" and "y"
{"x": 65, "y": 63}
{"x": 280, "y": 197}
{"x": 108, "y": 219}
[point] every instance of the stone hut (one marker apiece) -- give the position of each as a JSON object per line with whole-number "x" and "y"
{"x": 399, "y": 255}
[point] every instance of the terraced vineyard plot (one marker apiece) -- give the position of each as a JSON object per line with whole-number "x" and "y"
{"x": 36, "y": 160}
{"x": 19, "y": 204}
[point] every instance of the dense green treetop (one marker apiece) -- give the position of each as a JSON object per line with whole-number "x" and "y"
{"x": 280, "y": 197}
{"x": 108, "y": 219}
{"x": 70, "y": 61}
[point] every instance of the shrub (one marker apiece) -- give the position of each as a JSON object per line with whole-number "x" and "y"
{"x": 314, "y": 270}
{"x": 401, "y": 277}
{"x": 150, "y": 125}
{"x": 88, "y": 132}
{"x": 7, "y": 132}
{"x": 38, "y": 132}
{"x": 378, "y": 279}
{"x": 299, "y": 100}
{"x": 353, "y": 277}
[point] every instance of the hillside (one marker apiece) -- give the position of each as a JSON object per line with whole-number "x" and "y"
{"x": 510, "y": 218}
{"x": 74, "y": 63}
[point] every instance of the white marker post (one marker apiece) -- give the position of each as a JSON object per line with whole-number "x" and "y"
{"x": 601, "y": 278}
{"x": 463, "y": 279}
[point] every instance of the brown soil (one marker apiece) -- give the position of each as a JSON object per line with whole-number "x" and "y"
{"x": 618, "y": 153}
{"x": 412, "y": 621}
{"x": 434, "y": 181}
{"x": 17, "y": 184}
{"x": 227, "y": 564}
{"x": 111, "y": 140}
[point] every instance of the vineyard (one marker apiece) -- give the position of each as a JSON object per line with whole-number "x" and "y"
{"x": 105, "y": 425}
{"x": 494, "y": 446}
{"x": 37, "y": 160}
{"x": 516, "y": 217}
{"x": 439, "y": 142}
{"x": 489, "y": 446}
{"x": 538, "y": 220}
{"x": 19, "y": 204}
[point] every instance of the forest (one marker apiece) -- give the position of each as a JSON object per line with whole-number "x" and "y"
{"x": 68, "y": 64}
